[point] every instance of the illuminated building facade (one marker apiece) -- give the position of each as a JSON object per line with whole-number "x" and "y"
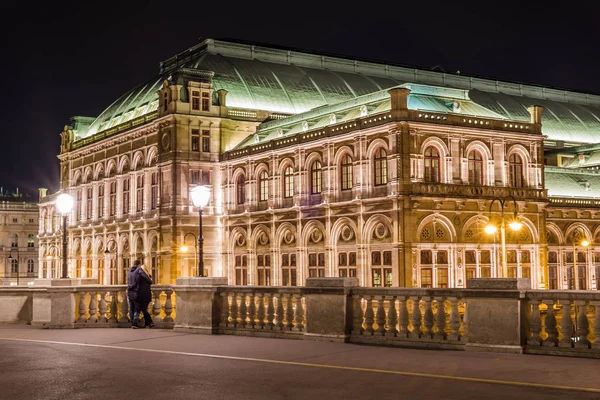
{"x": 323, "y": 166}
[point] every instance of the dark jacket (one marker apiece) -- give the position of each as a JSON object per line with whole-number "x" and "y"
{"x": 144, "y": 292}
{"x": 132, "y": 282}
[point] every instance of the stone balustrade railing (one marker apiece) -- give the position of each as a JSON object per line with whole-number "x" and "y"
{"x": 490, "y": 315}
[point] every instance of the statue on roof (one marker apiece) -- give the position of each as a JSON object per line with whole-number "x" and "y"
{"x": 66, "y": 139}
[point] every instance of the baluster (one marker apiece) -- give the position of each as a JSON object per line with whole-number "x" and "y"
{"x": 583, "y": 326}
{"x": 289, "y": 312}
{"x": 279, "y": 311}
{"x": 566, "y": 325}
{"x": 403, "y": 318}
{"x": 465, "y": 321}
{"x": 114, "y": 297}
{"x": 224, "y": 310}
{"x": 252, "y": 310}
{"x": 260, "y": 312}
{"x": 93, "y": 307}
{"x": 380, "y": 316}
{"x": 234, "y": 310}
{"x": 369, "y": 317}
{"x": 357, "y": 316}
{"x": 392, "y": 319}
{"x": 156, "y": 306}
{"x": 82, "y": 309}
{"x": 243, "y": 310}
{"x": 550, "y": 325}
{"x": 168, "y": 306}
{"x": 454, "y": 320}
{"x": 124, "y": 307}
{"x": 103, "y": 307}
{"x": 596, "y": 304}
{"x": 535, "y": 324}
{"x": 440, "y": 320}
{"x": 270, "y": 311}
{"x": 298, "y": 314}
{"x": 416, "y": 318}
{"x": 428, "y": 318}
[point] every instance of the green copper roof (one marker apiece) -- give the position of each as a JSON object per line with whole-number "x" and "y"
{"x": 562, "y": 182}
{"x": 294, "y": 82}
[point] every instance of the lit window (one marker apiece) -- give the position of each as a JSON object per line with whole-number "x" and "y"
{"x": 288, "y": 182}
{"x": 380, "y": 163}
{"x": 263, "y": 182}
{"x": 241, "y": 189}
{"x": 316, "y": 176}
{"x": 346, "y": 168}
{"x": 432, "y": 165}
{"x": 515, "y": 170}
{"x": 475, "y": 168}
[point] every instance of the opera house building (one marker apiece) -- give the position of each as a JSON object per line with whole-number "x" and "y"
{"x": 322, "y": 166}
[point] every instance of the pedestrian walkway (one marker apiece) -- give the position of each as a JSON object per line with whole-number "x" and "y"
{"x": 160, "y": 364}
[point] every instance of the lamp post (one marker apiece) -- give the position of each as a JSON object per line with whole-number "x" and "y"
{"x": 116, "y": 257}
{"x": 514, "y": 225}
{"x": 185, "y": 249}
{"x": 64, "y": 203}
{"x": 10, "y": 257}
{"x": 200, "y": 197}
{"x": 584, "y": 243}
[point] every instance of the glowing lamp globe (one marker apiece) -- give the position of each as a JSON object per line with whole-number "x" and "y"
{"x": 64, "y": 203}
{"x": 184, "y": 249}
{"x": 515, "y": 225}
{"x": 585, "y": 243}
{"x": 490, "y": 229}
{"x": 200, "y": 196}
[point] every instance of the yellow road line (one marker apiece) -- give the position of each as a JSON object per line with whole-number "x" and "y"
{"x": 302, "y": 364}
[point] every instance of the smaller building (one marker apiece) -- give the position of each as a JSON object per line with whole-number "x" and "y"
{"x": 19, "y": 223}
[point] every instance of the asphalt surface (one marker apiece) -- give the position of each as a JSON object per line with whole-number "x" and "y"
{"x": 162, "y": 364}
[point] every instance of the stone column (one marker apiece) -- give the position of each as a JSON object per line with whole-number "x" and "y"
{"x": 198, "y": 304}
{"x": 329, "y": 308}
{"x": 498, "y": 314}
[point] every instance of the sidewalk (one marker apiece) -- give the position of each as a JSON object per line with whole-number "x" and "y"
{"x": 157, "y": 364}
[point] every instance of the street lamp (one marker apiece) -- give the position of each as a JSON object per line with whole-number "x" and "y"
{"x": 64, "y": 203}
{"x": 185, "y": 249}
{"x": 200, "y": 197}
{"x": 116, "y": 258}
{"x": 515, "y": 225}
{"x": 10, "y": 257}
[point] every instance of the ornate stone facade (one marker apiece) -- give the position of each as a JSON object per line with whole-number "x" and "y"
{"x": 392, "y": 186}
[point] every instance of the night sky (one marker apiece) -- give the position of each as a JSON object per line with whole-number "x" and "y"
{"x": 61, "y": 61}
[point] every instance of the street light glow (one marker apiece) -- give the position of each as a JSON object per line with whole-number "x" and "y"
{"x": 490, "y": 229}
{"x": 200, "y": 196}
{"x": 184, "y": 249}
{"x": 515, "y": 225}
{"x": 64, "y": 203}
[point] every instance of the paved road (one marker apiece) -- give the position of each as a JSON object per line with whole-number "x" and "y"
{"x": 162, "y": 364}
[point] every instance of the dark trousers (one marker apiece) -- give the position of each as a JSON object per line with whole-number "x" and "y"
{"x": 142, "y": 306}
{"x": 131, "y": 309}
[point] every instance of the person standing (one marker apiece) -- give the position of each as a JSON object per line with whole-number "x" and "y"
{"x": 132, "y": 289}
{"x": 144, "y": 297}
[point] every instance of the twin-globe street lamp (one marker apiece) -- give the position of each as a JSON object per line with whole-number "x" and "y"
{"x": 515, "y": 225}
{"x": 200, "y": 197}
{"x": 64, "y": 203}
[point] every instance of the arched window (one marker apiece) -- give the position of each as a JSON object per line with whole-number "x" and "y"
{"x": 316, "y": 186}
{"x": 240, "y": 190}
{"x": 432, "y": 165}
{"x": 346, "y": 169}
{"x": 263, "y": 184}
{"x": 31, "y": 240}
{"x": 515, "y": 168}
{"x": 14, "y": 266}
{"x": 380, "y": 164}
{"x": 475, "y": 168}
{"x": 30, "y": 266}
{"x": 14, "y": 241}
{"x": 288, "y": 182}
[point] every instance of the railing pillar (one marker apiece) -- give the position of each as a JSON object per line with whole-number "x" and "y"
{"x": 329, "y": 308}
{"x": 198, "y": 304}
{"x": 498, "y": 315}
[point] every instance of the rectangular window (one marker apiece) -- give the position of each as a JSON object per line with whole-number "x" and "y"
{"x": 241, "y": 270}
{"x": 112, "y": 208}
{"x": 206, "y": 141}
{"x": 346, "y": 264}
{"x": 88, "y": 203}
{"x": 288, "y": 269}
{"x": 154, "y": 191}
{"x": 426, "y": 280}
{"x": 101, "y": 201}
{"x": 442, "y": 277}
{"x": 205, "y": 101}
{"x": 195, "y": 176}
{"x": 15, "y": 220}
{"x": 78, "y": 207}
{"x": 125, "y": 196}
{"x": 139, "y": 190}
{"x": 195, "y": 140}
{"x": 316, "y": 265}
{"x": 195, "y": 100}
{"x": 264, "y": 269}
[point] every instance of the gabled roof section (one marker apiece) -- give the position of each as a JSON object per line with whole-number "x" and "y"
{"x": 293, "y": 82}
